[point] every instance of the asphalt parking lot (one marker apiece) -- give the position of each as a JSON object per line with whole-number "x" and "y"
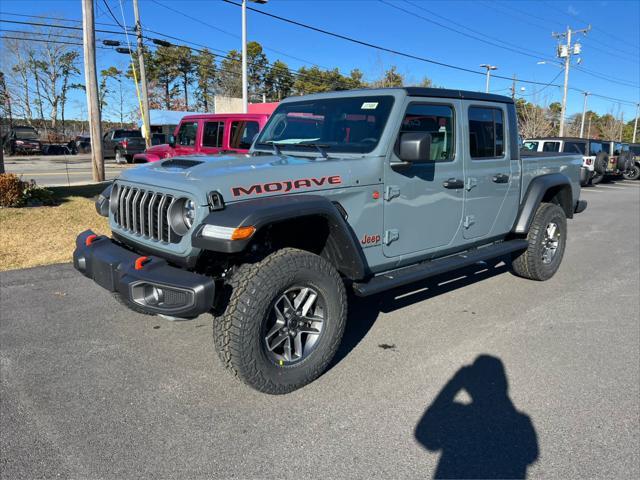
{"x": 92, "y": 390}
{"x": 59, "y": 170}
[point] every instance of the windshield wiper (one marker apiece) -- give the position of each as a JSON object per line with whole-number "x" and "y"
{"x": 318, "y": 146}
{"x": 275, "y": 145}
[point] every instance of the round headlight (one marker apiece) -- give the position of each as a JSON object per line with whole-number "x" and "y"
{"x": 189, "y": 212}
{"x": 182, "y": 214}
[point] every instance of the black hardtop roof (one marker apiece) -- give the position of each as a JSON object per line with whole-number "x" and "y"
{"x": 461, "y": 94}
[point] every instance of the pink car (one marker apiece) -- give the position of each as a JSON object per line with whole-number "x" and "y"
{"x": 209, "y": 134}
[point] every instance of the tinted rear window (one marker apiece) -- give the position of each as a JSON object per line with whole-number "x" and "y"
{"x": 127, "y": 133}
{"x": 574, "y": 147}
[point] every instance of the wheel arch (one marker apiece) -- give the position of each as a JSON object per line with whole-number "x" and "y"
{"x": 308, "y": 222}
{"x": 550, "y": 188}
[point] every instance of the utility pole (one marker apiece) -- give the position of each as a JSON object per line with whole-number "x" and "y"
{"x": 584, "y": 112}
{"x": 566, "y": 51}
{"x": 91, "y": 81}
{"x": 143, "y": 77}
{"x": 635, "y": 124}
{"x": 245, "y": 95}
{"x": 513, "y": 88}
{"x": 589, "y": 128}
{"x": 489, "y": 68}
{"x": 621, "y": 126}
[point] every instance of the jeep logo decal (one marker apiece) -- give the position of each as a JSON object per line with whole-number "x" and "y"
{"x": 285, "y": 186}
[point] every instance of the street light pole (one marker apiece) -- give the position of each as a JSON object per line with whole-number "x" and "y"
{"x": 584, "y": 111}
{"x": 245, "y": 101}
{"x": 143, "y": 78}
{"x": 489, "y": 68}
{"x": 245, "y": 86}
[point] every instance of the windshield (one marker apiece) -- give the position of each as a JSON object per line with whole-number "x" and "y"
{"x": 347, "y": 124}
{"x": 127, "y": 134}
{"x": 26, "y": 133}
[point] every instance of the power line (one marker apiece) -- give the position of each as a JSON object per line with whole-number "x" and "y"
{"x": 112, "y": 15}
{"x": 390, "y": 50}
{"x": 42, "y": 40}
{"x": 53, "y": 18}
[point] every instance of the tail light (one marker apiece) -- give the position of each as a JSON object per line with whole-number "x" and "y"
{"x": 124, "y": 144}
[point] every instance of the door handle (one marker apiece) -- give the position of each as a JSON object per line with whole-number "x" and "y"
{"x": 453, "y": 183}
{"x": 500, "y": 178}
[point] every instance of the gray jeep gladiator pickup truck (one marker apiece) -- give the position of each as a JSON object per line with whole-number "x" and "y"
{"x": 360, "y": 190}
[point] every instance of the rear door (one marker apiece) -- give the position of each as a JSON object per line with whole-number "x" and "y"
{"x": 423, "y": 202}
{"x": 492, "y": 182}
{"x": 187, "y": 138}
{"x": 242, "y": 133}
{"x": 212, "y": 136}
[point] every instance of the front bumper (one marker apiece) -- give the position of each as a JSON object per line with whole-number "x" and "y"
{"x": 153, "y": 286}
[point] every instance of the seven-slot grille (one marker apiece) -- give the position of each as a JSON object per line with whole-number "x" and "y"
{"x": 145, "y": 213}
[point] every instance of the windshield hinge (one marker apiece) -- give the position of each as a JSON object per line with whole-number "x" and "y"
{"x": 392, "y": 191}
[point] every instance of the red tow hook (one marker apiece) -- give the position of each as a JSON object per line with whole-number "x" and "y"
{"x": 89, "y": 240}
{"x": 141, "y": 262}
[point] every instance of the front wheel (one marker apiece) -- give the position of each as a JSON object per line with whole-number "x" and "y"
{"x": 547, "y": 239}
{"x": 284, "y": 321}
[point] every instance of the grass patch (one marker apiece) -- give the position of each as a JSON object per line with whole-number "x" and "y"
{"x": 35, "y": 236}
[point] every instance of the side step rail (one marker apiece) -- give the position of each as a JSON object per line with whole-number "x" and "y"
{"x": 431, "y": 268}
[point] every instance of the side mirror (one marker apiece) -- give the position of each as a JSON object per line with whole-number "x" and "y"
{"x": 415, "y": 147}
{"x": 172, "y": 141}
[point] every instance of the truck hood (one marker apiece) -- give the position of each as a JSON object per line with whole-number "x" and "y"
{"x": 241, "y": 176}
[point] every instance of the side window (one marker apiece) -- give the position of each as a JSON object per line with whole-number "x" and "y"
{"x": 437, "y": 120}
{"x": 551, "y": 147}
{"x": 187, "y": 134}
{"x": 242, "y": 134}
{"x": 212, "y": 135}
{"x": 530, "y": 146}
{"x": 595, "y": 148}
{"x": 486, "y": 132}
{"x": 574, "y": 147}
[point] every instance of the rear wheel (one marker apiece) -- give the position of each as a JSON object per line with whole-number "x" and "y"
{"x": 633, "y": 173}
{"x": 547, "y": 238}
{"x": 284, "y": 321}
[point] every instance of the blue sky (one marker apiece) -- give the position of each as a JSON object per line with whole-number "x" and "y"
{"x": 611, "y": 49}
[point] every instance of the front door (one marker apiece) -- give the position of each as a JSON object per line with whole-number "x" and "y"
{"x": 490, "y": 179}
{"x": 423, "y": 202}
{"x": 186, "y": 141}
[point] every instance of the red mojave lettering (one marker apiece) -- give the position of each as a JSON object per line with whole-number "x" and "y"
{"x": 286, "y": 186}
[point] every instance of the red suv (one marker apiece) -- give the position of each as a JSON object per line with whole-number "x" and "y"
{"x": 208, "y": 134}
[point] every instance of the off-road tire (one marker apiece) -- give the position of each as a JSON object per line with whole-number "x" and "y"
{"x": 237, "y": 332}
{"x": 633, "y": 173}
{"x": 529, "y": 264}
{"x": 601, "y": 163}
{"x": 596, "y": 179}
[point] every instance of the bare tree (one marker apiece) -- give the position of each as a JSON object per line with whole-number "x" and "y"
{"x": 533, "y": 121}
{"x": 17, "y": 77}
{"x": 609, "y": 126}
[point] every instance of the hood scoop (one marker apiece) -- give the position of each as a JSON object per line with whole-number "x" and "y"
{"x": 180, "y": 163}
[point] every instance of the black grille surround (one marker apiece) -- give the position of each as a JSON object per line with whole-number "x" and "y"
{"x": 144, "y": 212}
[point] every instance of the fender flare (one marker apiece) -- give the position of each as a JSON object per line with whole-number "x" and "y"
{"x": 341, "y": 248}
{"x": 536, "y": 191}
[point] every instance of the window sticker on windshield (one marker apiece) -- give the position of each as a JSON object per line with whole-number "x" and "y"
{"x": 369, "y": 106}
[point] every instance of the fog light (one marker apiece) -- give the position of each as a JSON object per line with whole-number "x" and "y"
{"x": 153, "y": 295}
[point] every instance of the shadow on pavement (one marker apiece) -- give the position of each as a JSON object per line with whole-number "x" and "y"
{"x": 62, "y": 194}
{"x": 485, "y": 438}
{"x": 363, "y": 312}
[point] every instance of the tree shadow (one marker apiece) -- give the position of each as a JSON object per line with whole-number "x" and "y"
{"x": 363, "y": 312}
{"x": 63, "y": 194}
{"x": 486, "y": 438}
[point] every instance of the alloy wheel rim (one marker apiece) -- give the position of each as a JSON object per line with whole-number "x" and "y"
{"x": 550, "y": 243}
{"x": 294, "y": 325}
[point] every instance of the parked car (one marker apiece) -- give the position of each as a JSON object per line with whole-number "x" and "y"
{"x": 365, "y": 190}
{"x": 620, "y": 159}
{"x": 122, "y": 144}
{"x": 208, "y": 133}
{"x": 583, "y": 146}
{"x": 633, "y": 172}
{"x": 80, "y": 144}
{"x": 22, "y": 140}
